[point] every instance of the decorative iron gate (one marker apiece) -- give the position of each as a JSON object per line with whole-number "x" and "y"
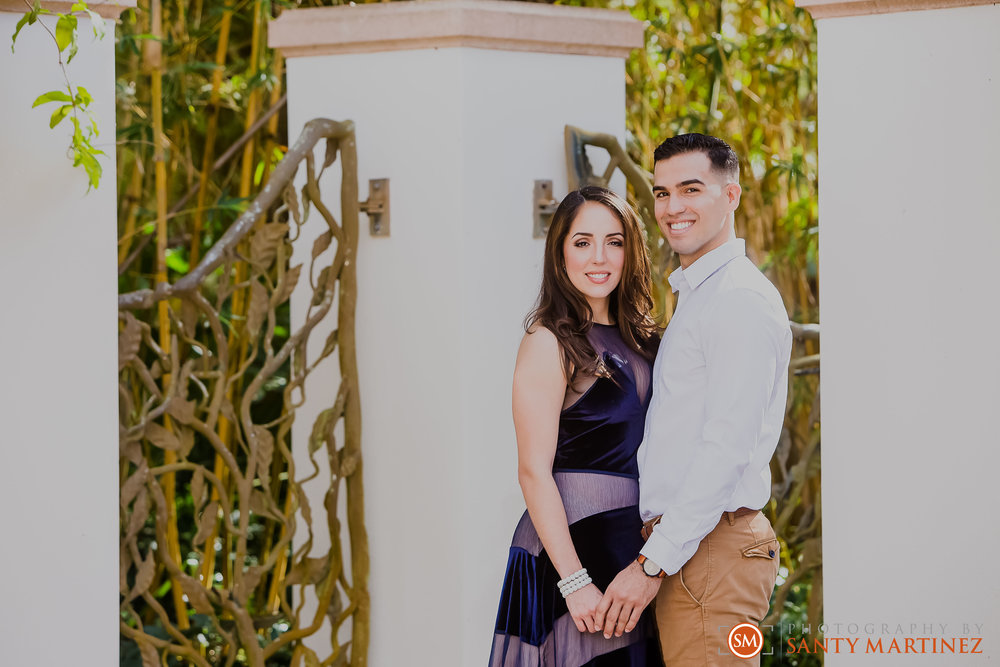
{"x": 214, "y": 570}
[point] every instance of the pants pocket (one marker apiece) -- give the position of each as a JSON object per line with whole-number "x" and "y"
{"x": 695, "y": 574}
{"x": 760, "y": 566}
{"x": 767, "y": 548}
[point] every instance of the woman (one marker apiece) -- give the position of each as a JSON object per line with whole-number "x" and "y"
{"x": 581, "y": 388}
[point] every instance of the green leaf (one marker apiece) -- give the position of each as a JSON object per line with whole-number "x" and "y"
{"x": 92, "y": 167}
{"x": 83, "y": 97}
{"x": 163, "y": 589}
{"x": 27, "y": 19}
{"x": 176, "y": 262}
{"x": 59, "y": 114}
{"x": 78, "y": 7}
{"x": 52, "y": 96}
{"x": 78, "y": 139}
{"x": 65, "y": 31}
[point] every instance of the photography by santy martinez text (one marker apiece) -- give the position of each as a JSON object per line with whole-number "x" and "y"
{"x": 866, "y": 638}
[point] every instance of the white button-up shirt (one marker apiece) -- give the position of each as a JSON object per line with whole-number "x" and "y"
{"x": 719, "y": 386}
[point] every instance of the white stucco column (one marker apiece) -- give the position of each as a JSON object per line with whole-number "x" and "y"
{"x": 909, "y": 238}
{"x": 58, "y": 397}
{"x": 461, "y": 104}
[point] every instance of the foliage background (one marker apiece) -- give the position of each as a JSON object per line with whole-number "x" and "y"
{"x": 194, "y": 77}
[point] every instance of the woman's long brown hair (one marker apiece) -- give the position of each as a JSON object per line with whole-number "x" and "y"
{"x": 564, "y": 310}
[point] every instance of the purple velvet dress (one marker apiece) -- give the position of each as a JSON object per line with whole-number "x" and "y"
{"x": 596, "y": 472}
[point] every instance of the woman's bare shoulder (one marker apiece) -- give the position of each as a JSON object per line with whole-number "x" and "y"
{"x": 539, "y": 352}
{"x": 537, "y": 333}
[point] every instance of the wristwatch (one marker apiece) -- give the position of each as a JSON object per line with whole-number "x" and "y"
{"x": 649, "y": 568}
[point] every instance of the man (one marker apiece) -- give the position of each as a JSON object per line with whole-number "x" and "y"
{"x": 719, "y": 389}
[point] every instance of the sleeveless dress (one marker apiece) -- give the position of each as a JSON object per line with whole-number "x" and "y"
{"x": 597, "y": 475}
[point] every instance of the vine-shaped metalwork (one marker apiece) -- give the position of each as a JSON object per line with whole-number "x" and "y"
{"x": 246, "y": 583}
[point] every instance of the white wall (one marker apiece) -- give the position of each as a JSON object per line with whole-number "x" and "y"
{"x": 58, "y": 398}
{"x": 910, "y": 236}
{"x": 462, "y": 133}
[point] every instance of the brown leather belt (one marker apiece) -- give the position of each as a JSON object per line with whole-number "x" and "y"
{"x": 647, "y": 528}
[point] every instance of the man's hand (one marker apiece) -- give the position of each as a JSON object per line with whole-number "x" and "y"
{"x": 624, "y": 601}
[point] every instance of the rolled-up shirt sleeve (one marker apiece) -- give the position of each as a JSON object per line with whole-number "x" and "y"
{"x": 742, "y": 342}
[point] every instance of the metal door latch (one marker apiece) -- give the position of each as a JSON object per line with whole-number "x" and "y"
{"x": 544, "y": 206}
{"x": 377, "y": 206}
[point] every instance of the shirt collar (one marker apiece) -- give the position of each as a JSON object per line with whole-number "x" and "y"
{"x": 707, "y": 264}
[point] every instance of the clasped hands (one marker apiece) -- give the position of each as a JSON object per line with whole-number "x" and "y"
{"x": 618, "y": 610}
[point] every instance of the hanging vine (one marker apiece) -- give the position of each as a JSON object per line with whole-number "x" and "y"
{"x": 73, "y": 101}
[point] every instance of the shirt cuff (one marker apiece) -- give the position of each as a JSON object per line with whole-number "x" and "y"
{"x": 662, "y": 551}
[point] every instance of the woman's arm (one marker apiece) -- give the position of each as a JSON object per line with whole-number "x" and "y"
{"x": 538, "y": 394}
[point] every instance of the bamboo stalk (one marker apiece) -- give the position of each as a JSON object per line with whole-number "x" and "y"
{"x": 155, "y": 62}
{"x": 234, "y": 567}
{"x": 219, "y": 469}
{"x": 210, "y": 131}
{"x": 271, "y": 594}
{"x": 272, "y": 124}
{"x": 253, "y": 102}
{"x": 132, "y": 196}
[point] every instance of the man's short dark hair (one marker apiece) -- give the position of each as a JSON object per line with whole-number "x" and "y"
{"x": 722, "y": 157}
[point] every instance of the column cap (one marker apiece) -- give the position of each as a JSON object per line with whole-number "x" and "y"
{"x": 823, "y": 9}
{"x": 427, "y": 24}
{"x": 109, "y": 9}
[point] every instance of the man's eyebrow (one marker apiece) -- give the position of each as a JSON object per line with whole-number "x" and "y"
{"x": 690, "y": 181}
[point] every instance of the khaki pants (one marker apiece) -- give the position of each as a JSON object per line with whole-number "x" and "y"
{"x": 728, "y": 581}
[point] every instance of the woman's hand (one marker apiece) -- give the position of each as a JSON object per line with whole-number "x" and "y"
{"x": 582, "y": 604}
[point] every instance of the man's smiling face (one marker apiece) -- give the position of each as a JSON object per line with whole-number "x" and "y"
{"x": 694, "y": 204}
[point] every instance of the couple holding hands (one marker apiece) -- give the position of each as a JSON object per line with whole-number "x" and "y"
{"x": 644, "y": 463}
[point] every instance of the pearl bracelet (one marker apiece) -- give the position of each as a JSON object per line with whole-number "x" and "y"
{"x": 572, "y": 588}
{"x": 574, "y": 582}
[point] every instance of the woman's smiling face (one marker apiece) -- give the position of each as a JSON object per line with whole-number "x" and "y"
{"x": 594, "y": 255}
